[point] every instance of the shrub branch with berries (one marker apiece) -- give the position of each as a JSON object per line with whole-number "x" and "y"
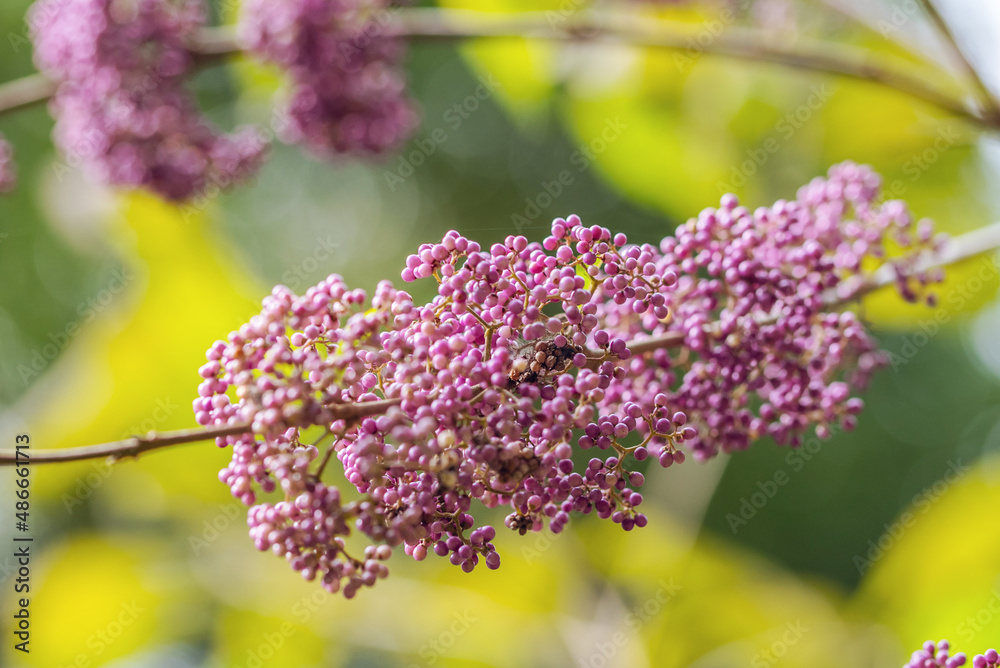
{"x": 519, "y": 384}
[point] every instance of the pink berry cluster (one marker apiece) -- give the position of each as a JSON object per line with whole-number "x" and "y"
{"x": 347, "y": 94}
{"x": 933, "y": 655}
{"x": 764, "y": 355}
{"x": 8, "y": 172}
{"x": 121, "y": 106}
{"x": 543, "y": 374}
{"x": 308, "y": 528}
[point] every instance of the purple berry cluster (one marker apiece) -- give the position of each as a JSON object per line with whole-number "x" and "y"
{"x": 933, "y": 655}
{"x": 764, "y": 355}
{"x": 8, "y": 172}
{"x": 347, "y": 94}
{"x": 121, "y": 107}
{"x": 543, "y": 374}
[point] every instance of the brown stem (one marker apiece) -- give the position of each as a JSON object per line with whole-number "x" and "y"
{"x": 990, "y": 106}
{"x": 25, "y": 92}
{"x": 616, "y": 27}
{"x": 630, "y": 29}
{"x": 136, "y": 445}
{"x": 130, "y": 447}
{"x": 318, "y": 475}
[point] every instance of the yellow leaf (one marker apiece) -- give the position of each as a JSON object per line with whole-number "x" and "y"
{"x": 934, "y": 572}
{"x": 133, "y": 366}
{"x": 98, "y": 598}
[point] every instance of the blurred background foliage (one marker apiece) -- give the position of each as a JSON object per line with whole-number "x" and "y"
{"x": 872, "y": 543}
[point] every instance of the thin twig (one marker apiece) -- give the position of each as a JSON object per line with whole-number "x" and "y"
{"x": 435, "y": 24}
{"x": 990, "y": 107}
{"x": 130, "y": 447}
{"x": 636, "y": 30}
{"x": 850, "y": 10}
{"x": 25, "y": 92}
{"x": 136, "y": 445}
